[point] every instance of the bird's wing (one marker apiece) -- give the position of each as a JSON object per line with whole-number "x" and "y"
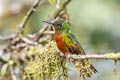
{"x": 73, "y": 44}
{"x": 76, "y": 48}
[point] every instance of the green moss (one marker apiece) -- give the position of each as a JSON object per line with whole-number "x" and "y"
{"x": 112, "y": 55}
{"x": 46, "y": 65}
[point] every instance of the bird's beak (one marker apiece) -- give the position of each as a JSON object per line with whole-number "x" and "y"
{"x": 49, "y": 22}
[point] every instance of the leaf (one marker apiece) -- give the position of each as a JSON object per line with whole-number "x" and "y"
{"x": 4, "y": 69}
{"x": 6, "y": 57}
{"x": 51, "y": 1}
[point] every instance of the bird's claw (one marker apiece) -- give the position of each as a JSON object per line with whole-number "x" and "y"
{"x": 67, "y": 55}
{"x": 62, "y": 54}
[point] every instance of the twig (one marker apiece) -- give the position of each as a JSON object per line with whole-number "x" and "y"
{"x": 60, "y": 9}
{"x": 38, "y": 34}
{"x": 49, "y": 32}
{"x": 14, "y": 77}
{"x": 115, "y": 56}
{"x": 29, "y": 13}
{"x": 7, "y": 38}
{"x": 115, "y": 71}
{"x": 44, "y": 39}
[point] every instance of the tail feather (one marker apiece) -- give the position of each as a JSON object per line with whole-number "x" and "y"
{"x": 93, "y": 68}
{"x": 85, "y": 68}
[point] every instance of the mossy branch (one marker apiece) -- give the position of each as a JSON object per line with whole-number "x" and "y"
{"x": 46, "y": 64}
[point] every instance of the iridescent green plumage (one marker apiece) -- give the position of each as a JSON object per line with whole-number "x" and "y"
{"x": 70, "y": 39}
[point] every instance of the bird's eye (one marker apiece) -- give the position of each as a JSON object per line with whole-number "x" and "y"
{"x": 60, "y": 25}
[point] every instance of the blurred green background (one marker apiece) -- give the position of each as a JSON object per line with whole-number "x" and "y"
{"x": 95, "y": 23}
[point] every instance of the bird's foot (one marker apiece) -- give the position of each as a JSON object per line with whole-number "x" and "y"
{"x": 62, "y": 54}
{"x": 67, "y": 55}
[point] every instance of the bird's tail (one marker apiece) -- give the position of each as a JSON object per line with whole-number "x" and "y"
{"x": 85, "y": 68}
{"x": 93, "y": 68}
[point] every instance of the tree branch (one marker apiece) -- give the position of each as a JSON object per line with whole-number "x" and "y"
{"x": 115, "y": 56}
{"x": 7, "y": 38}
{"x": 60, "y": 9}
{"x": 29, "y": 13}
{"x": 49, "y": 32}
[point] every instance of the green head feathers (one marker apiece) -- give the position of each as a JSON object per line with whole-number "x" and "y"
{"x": 59, "y": 24}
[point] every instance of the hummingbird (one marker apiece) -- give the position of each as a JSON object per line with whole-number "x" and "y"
{"x": 68, "y": 44}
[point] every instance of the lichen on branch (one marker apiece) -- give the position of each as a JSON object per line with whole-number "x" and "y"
{"x": 46, "y": 64}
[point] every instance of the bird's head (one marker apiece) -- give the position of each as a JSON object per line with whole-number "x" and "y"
{"x": 58, "y": 24}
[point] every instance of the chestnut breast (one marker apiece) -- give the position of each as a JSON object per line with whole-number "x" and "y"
{"x": 60, "y": 43}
